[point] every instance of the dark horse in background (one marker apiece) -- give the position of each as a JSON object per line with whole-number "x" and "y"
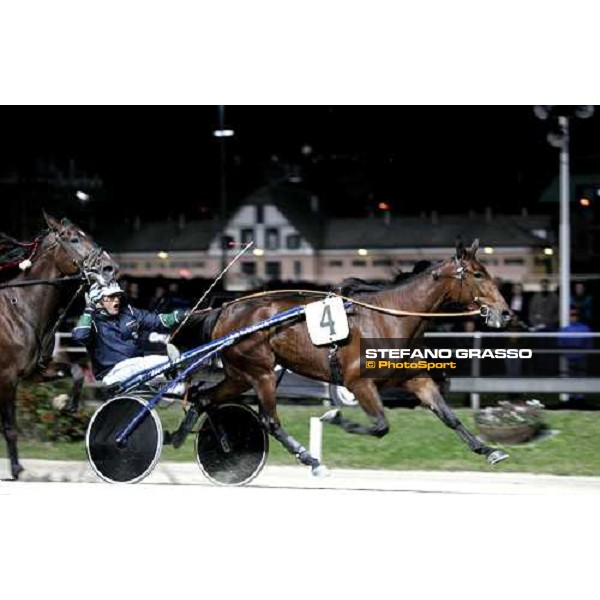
{"x": 61, "y": 257}
{"x": 461, "y": 281}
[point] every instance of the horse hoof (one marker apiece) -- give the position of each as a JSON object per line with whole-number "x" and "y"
{"x": 331, "y": 416}
{"x": 496, "y": 456}
{"x": 60, "y": 402}
{"x": 320, "y": 471}
{"x": 16, "y": 472}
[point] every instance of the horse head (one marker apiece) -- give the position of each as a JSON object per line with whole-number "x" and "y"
{"x": 77, "y": 252}
{"x": 474, "y": 287}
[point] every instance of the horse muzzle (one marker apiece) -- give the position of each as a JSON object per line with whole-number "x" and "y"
{"x": 103, "y": 276}
{"x": 100, "y": 267}
{"x": 495, "y": 317}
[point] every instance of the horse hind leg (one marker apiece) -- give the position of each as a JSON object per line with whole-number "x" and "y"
{"x": 9, "y": 427}
{"x": 265, "y": 387}
{"x": 426, "y": 390}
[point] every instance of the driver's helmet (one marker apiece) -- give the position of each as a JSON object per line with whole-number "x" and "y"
{"x": 97, "y": 291}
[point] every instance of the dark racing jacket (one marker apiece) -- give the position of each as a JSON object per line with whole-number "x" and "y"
{"x": 111, "y": 339}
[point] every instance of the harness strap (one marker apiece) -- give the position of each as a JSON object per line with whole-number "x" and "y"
{"x": 280, "y": 377}
{"x": 337, "y": 376}
{"x": 388, "y": 311}
{"x": 44, "y": 356}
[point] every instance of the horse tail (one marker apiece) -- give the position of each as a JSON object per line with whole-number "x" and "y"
{"x": 208, "y": 324}
{"x": 198, "y": 328}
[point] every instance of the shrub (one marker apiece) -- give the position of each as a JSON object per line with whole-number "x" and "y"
{"x": 38, "y": 420}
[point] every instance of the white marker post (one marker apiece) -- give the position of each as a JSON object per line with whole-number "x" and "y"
{"x": 316, "y": 438}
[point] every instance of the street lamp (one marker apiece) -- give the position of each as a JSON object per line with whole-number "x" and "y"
{"x": 560, "y": 139}
{"x": 222, "y": 133}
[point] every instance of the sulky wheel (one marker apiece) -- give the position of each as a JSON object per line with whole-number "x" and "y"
{"x": 231, "y": 445}
{"x": 135, "y": 458}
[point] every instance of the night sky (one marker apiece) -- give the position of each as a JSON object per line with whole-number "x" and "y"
{"x": 422, "y": 158}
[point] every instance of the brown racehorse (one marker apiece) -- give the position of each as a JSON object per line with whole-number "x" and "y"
{"x": 60, "y": 257}
{"x": 460, "y": 281}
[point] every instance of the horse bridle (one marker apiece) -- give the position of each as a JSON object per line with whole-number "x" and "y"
{"x": 87, "y": 270}
{"x": 88, "y": 265}
{"x": 460, "y": 274}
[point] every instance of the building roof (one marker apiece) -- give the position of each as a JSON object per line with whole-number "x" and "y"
{"x": 415, "y": 232}
{"x": 339, "y": 234}
{"x": 296, "y": 204}
{"x": 166, "y": 235}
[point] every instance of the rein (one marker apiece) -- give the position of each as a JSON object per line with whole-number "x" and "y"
{"x": 42, "y": 281}
{"x": 50, "y": 336}
{"x": 388, "y": 311}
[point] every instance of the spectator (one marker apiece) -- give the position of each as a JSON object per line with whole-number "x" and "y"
{"x": 583, "y": 302}
{"x": 576, "y": 362}
{"x": 174, "y": 297}
{"x": 159, "y": 301}
{"x": 131, "y": 290}
{"x": 514, "y": 365}
{"x": 543, "y": 309}
{"x": 517, "y": 302}
{"x": 543, "y": 317}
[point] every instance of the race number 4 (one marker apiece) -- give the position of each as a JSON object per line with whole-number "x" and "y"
{"x": 327, "y": 321}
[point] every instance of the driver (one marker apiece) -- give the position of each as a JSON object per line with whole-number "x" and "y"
{"x": 112, "y": 331}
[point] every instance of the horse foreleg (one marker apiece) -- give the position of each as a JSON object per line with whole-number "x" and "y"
{"x": 368, "y": 398}
{"x": 265, "y": 387}
{"x": 428, "y": 393}
{"x": 9, "y": 428}
{"x": 77, "y": 378}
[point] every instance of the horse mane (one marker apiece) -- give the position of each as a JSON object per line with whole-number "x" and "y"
{"x": 426, "y": 269}
{"x": 352, "y": 286}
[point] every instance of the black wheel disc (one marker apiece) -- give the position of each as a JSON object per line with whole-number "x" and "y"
{"x": 231, "y": 445}
{"x": 135, "y": 459}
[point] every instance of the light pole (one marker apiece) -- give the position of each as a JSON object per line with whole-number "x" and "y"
{"x": 560, "y": 139}
{"x": 222, "y": 133}
{"x": 564, "y": 232}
